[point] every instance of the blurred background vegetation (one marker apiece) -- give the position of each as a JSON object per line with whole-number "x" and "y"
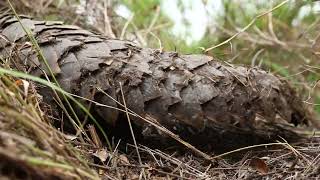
{"x": 283, "y": 41}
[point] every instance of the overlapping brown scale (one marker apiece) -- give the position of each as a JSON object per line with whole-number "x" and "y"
{"x": 150, "y": 89}
{"x": 194, "y": 61}
{"x": 63, "y": 47}
{"x": 70, "y": 73}
{"x": 177, "y": 90}
{"x": 3, "y": 43}
{"x": 71, "y": 32}
{"x": 14, "y": 31}
{"x": 91, "y": 55}
{"x": 44, "y": 27}
{"x": 6, "y": 20}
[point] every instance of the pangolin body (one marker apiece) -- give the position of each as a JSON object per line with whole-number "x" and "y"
{"x": 188, "y": 94}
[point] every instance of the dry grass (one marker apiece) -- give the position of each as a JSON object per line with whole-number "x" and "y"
{"x": 29, "y": 145}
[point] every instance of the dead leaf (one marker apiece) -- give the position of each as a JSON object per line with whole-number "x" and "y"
{"x": 259, "y": 165}
{"x": 70, "y": 137}
{"x": 102, "y": 154}
{"x": 18, "y": 82}
{"x": 172, "y": 68}
{"x": 123, "y": 159}
{"x": 25, "y": 85}
{"x": 101, "y": 171}
{"x": 108, "y": 62}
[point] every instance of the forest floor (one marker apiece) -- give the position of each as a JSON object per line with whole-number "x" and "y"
{"x": 31, "y": 146}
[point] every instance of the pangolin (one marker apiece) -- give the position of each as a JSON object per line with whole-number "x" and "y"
{"x": 203, "y": 100}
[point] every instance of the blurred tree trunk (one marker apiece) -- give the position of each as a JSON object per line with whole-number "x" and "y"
{"x": 201, "y": 99}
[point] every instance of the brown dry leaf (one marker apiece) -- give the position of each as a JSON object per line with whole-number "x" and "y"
{"x": 108, "y": 62}
{"x": 70, "y": 137}
{"x": 25, "y": 84}
{"x": 123, "y": 159}
{"x": 18, "y": 82}
{"x": 259, "y": 165}
{"x": 102, "y": 154}
{"x": 101, "y": 171}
